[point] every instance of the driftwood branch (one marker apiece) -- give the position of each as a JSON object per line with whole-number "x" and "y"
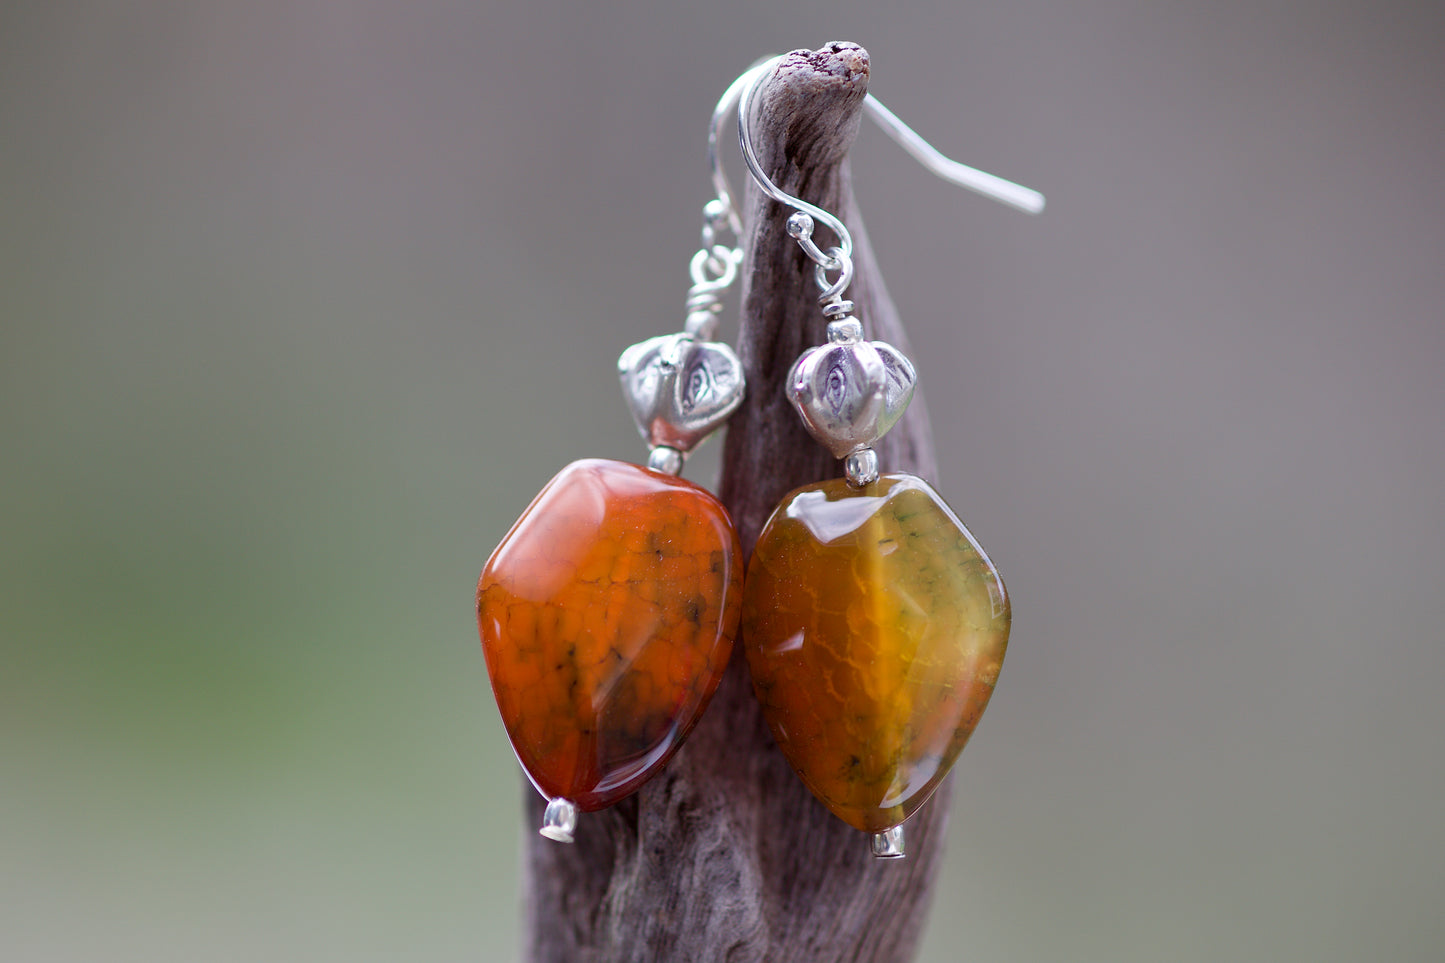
{"x": 725, "y": 856}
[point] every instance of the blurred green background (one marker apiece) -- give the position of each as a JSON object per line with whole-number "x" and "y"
{"x": 301, "y": 302}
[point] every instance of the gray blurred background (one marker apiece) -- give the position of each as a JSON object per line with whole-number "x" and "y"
{"x": 301, "y": 302}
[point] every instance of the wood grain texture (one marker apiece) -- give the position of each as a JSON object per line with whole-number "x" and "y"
{"x": 725, "y": 856}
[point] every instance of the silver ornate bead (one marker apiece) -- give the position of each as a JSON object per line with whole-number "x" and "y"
{"x": 850, "y": 393}
{"x": 679, "y": 389}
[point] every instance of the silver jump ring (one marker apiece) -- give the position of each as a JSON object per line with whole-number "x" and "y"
{"x": 721, "y": 261}
{"x": 841, "y": 263}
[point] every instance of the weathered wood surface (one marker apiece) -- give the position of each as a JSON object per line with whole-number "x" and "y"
{"x": 725, "y": 856}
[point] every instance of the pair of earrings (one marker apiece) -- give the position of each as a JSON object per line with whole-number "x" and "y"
{"x": 874, "y": 624}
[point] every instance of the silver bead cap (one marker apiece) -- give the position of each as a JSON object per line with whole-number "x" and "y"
{"x": 850, "y": 393}
{"x": 679, "y": 389}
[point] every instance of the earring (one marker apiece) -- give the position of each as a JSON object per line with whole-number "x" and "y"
{"x": 873, "y": 622}
{"x": 607, "y": 614}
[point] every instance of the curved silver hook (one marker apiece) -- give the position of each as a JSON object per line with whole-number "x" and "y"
{"x": 739, "y": 94}
{"x": 1025, "y": 199}
{"x": 800, "y": 230}
{"x": 720, "y": 113}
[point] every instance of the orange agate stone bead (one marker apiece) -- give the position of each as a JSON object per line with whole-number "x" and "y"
{"x": 607, "y": 616}
{"x": 874, "y": 626}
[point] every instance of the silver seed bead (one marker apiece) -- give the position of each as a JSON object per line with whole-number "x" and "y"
{"x": 666, "y": 460}
{"x": 861, "y": 467}
{"x": 845, "y": 331}
{"x": 701, "y": 323}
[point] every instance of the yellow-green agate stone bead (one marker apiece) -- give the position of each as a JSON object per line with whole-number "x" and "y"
{"x": 874, "y": 626}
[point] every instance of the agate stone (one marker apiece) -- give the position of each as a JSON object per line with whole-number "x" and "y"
{"x": 874, "y": 626}
{"x": 607, "y": 616}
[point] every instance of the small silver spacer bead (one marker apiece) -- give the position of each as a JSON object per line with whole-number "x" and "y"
{"x": 799, "y": 226}
{"x": 861, "y": 469}
{"x": 845, "y": 331}
{"x": 666, "y": 460}
{"x": 701, "y": 323}
{"x": 560, "y": 820}
{"x": 889, "y": 843}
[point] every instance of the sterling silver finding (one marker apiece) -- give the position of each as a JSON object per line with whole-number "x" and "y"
{"x": 682, "y": 387}
{"x": 848, "y": 392}
{"x": 740, "y": 93}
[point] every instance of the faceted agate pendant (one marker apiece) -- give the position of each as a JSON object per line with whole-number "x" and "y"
{"x": 874, "y": 626}
{"x": 607, "y": 616}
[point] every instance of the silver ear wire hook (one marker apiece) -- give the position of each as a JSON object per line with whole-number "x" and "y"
{"x": 800, "y": 225}
{"x": 720, "y": 114}
{"x": 989, "y": 185}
